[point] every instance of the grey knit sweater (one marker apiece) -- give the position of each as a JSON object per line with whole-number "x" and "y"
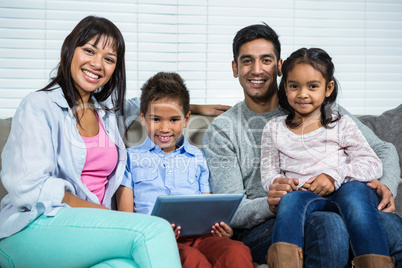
{"x": 232, "y": 148}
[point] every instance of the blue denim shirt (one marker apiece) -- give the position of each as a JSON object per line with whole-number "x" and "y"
{"x": 44, "y": 156}
{"x": 150, "y": 172}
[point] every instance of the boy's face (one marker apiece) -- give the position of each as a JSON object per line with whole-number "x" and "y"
{"x": 165, "y": 121}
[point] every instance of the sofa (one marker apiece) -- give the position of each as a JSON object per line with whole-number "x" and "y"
{"x": 387, "y": 126}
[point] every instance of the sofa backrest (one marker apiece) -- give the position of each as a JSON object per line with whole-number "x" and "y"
{"x": 388, "y": 127}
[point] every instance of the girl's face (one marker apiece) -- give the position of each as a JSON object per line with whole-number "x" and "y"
{"x": 306, "y": 90}
{"x": 93, "y": 65}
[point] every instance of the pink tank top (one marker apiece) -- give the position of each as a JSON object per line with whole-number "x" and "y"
{"x": 100, "y": 162}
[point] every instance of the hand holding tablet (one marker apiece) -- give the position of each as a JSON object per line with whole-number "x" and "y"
{"x": 196, "y": 214}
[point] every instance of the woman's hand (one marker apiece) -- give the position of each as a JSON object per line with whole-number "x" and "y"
{"x": 209, "y": 110}
{"x": 74, "y": 201}
{"x": 222, "y": 230}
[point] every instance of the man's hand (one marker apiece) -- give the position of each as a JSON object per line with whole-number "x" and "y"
{"x": 279, "y": 188}
{"x": 387, "y": 202}
{"x": 209, "y": 110}
{"x": 322, "y": 185}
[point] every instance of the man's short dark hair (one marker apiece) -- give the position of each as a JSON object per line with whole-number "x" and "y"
{"x": 165, "y": 85}
{"x": 253, "y": 32}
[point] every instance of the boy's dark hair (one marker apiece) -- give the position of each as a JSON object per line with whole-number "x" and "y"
{"x": 85, "y": 30}
{"x": 253, "y": 32}
{"x": 321, "y": 62}
{"x": 165, "y": 86}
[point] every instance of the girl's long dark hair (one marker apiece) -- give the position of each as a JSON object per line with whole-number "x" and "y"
{"x": 85, "y": 30}
{"x": 320, "y": 61}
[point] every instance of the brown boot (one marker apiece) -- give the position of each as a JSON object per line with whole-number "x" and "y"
{"x": 285, "y": 255}
{"x": 373, "y": 261}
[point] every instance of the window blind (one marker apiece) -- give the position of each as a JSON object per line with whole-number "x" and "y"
{"x": 194, "y": 38}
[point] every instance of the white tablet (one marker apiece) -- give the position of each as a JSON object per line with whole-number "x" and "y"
{"x": 197, "y": 213}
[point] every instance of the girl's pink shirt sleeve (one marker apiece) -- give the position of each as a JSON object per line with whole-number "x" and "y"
{"x": 362, "y": 164}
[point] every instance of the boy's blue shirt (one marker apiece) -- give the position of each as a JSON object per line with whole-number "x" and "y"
{"x": 150, "y": 172}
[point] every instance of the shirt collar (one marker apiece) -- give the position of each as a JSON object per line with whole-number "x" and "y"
{"x": 57, "y": 97}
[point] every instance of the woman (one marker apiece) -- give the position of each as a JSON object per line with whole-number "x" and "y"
{"x": 65, "y": 155}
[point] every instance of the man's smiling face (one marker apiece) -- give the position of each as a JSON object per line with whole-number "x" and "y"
{"x": 257, "y": 69}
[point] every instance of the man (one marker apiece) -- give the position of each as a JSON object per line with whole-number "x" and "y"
{"x": 232, "y": 147}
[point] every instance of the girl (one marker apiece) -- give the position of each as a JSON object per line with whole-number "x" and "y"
{"x": 328, "y": 159}
{"x": 65, "y": 156}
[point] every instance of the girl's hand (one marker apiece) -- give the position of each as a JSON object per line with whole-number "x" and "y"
{"x": 176, "y": 230}
{"x": 322, "y": 185}
{"x": 222, "y": 230}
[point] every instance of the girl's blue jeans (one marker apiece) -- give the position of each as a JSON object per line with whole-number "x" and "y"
{"x": 354, "y": 201}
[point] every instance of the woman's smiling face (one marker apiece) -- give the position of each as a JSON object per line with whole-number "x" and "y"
{"x": 93, "y": 65}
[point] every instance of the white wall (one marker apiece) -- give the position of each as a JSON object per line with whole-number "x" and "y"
{"x": 193, "y": 37}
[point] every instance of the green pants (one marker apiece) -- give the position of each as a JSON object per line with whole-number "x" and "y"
{"x": 83, "y": 237}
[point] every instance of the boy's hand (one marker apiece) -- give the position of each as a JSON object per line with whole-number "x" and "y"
{"x": 222, "y": 230}
{"x": 176, "y": 230}
{"x": 322, "y": 185}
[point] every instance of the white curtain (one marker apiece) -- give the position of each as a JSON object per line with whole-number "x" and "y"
{"x": 194, "y": 38}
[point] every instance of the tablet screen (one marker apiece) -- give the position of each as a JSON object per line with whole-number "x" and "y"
{"x": 197, "y": 213}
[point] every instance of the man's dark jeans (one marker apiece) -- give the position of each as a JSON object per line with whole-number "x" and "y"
{"x": 326, "y": 242}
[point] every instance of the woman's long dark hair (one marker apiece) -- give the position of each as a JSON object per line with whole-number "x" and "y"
{"x": 84, "y": 31}
{"x": 320, "y": 61}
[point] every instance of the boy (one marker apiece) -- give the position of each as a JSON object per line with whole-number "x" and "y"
{"x": 165, "y": 163}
